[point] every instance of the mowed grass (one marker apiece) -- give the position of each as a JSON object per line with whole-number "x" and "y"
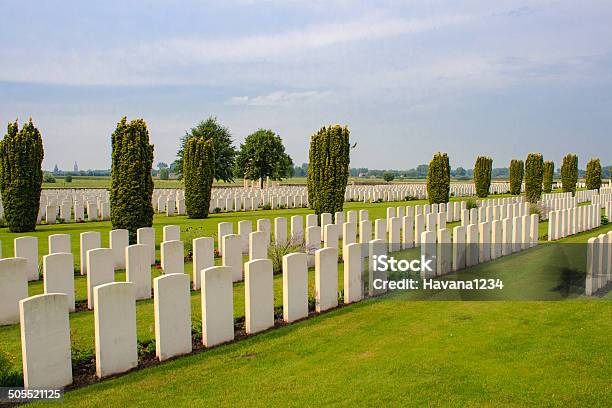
{"x": 387, "y": 352}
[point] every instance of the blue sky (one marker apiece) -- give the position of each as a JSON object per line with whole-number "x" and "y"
{"x": 409, "y": 78}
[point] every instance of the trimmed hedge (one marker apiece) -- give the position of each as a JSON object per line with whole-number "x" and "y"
{"x": 438, "y": 179}
{"x": 482, "y": 175}
{"x": 21, "y": 155}
{"x": 516, "y": 176}
{"x": 547, "y": 180}
{"x": 328, "y": 169}
{"x": 534, "y": 174}
{"x": 198, "y": 173}
{"x": 593, "y": 175}
{"x": 131, "y": 182}
{"x": 569, "y": 173}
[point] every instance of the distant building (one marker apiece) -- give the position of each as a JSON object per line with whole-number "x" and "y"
{"x": 56, "y": 171}
{"x": 76, "y": 168}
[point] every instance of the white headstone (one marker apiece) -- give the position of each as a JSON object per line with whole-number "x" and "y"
{"x": 115, "y": 328}
{"x": 217, "y": 305}
{"x": 138, "y": 269}
{"x": 326, "y": 279}
{"x": 295, "y": 287}
{"x": 259, "y": 295}
{"x": 45, "y": 341}
{"x": 58, "y": 275}
{"x": 13, "y": 288}
{"x": 172, "y": 306}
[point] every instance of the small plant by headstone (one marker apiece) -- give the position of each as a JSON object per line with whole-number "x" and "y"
{"x": 276, "y": 251}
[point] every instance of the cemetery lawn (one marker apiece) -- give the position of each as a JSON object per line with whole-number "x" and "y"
{"x": 525, "y": 274}
{"x": 386, "y": 350}
{"x": 392, "y": 352}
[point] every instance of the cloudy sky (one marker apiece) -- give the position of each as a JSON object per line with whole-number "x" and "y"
{"x": 409, "y": 78}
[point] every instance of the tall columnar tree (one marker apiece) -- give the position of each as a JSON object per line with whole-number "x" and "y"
{"x": 534, "y": 174}
{"x": 21, "y": 155}
{"x": 225, "y": 152}
{"x": 263, "y": 155}
{"x": 482, "y": 175}
{"x": 328, "y": 169}
{"x": 131, "y": 182}
{"x": 569, "y": 173}
{"x": 547, "y": 180}
{"x": 198, "y": 173}
{"x": 593, "y": 175}
{"x": 438, "y": 179}
{"x": 516, "y": 176}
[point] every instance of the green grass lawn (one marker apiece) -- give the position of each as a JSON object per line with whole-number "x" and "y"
{"x": 387, "y": 352}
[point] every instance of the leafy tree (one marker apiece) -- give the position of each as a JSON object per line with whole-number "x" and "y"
{"x": 593, "y": 175}
{"x": 460, "y": 172}
{"x": 263, "y": 155}
{"x": 21, "y": 155}
{"x": 569, "y": 173}
{"x": 131, "y": 182}
{"x": 534, "y": 174}
{"x": 48, "y": 177}
{"x": 68, "y": 179}
{"x": 162, "y": 165}
{"x": 547, "y": 180}
{"x": 388, "y": 176}
{"x": 328, "y": 169}
{"x": 225, "y": 153}
{"x": 482, "y": 175}
{"x": 516, "y": 176}
{"x": 164, "y": 173}
{"x": 198, "y": 172}
{"x": 438, "y": 179}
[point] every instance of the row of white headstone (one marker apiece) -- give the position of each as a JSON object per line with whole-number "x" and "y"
{"x": 599, "y": 263}
{"x": 571, "y": 221}
{"x": 476, "y": 243}
{"x": 45, "y": 323}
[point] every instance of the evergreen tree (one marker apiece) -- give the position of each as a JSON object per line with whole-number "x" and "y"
{"x": 131, "y": 182}
{"x": 482, "y": 175}
{"x": 516, "y": 176}
{"x": 569, "y": 173}
{"x": 593, "y": 175}
{"x": 534, "y": 174}
{"x": 549, "y": 171}
{"x": 438, "y": 179}
{"x": 198, "y": 173}
{"x": 328, "y": 169}
{"x": 21, "y": 155}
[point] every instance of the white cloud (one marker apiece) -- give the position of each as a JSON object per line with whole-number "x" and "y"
{"x": 180, "y": 60}
{"x": 261, "y": 47}
{"x": 278, "y": 98}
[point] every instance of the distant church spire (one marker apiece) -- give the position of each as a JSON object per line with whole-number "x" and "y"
{"x": 76, "y": 168}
